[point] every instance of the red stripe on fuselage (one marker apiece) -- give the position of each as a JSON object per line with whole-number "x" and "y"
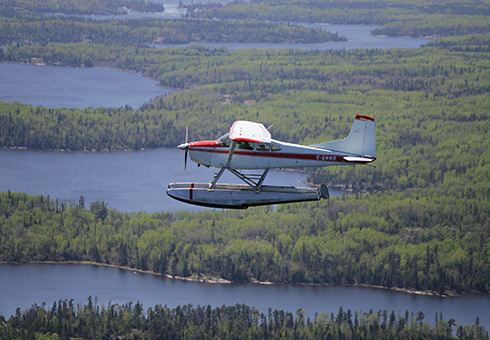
{"x": 277, "y": 154}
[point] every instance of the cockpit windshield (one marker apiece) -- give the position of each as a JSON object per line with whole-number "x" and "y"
{"x": 224, "y": 140}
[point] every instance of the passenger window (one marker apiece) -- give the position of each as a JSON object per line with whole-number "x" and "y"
{"x": 263, "y": 147}
{"x": 276, "y": 148}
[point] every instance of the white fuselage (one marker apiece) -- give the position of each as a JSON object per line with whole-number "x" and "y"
{"x": 250, "y": 155}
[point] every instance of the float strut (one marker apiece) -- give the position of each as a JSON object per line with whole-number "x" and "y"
{"x": 262, "y": 179}
{"x": 249, "y": 181}
{"x": 216, "y": 178}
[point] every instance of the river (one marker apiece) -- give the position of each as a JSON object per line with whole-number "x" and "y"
{"x": 23, "y": 285}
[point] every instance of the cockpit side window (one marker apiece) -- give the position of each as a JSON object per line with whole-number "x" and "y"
{"x": 245, "y": 145}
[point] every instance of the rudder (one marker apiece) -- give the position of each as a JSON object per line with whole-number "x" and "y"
{"x": 360, "y": 141}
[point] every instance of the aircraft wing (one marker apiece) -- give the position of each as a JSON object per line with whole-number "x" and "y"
{"x": 244, "y": 131}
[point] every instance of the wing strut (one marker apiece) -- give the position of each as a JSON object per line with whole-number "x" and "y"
{"x": 227, "y": 166}
{"x": 230, "y": 153}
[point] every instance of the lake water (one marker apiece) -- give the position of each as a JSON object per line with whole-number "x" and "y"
{"x": 23, "y": 285}
{"x": 127, "y": 180}
{"x": 69, "y": 87}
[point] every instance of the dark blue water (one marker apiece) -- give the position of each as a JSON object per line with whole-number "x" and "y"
{"x": 127, "y": 180}
{"x": 55, "y": 86}
{"x": 23, "y": 285}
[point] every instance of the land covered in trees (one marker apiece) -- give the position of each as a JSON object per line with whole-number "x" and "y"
{"x": 396, "y": 18}
{"x": 130, "y": 321}
{"x": 79, "y": 7}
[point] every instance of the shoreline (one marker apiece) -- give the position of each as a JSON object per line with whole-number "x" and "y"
{"x": 215, "y": 280}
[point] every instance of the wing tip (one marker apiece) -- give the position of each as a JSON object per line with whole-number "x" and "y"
{"x": 243, "y": 130}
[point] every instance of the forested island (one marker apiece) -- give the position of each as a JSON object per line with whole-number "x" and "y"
{"x": 405, "y": 241}
{"x": 35, "y": 29}
{"x": 417, "y": 222}
{"x": 64, "y": 320}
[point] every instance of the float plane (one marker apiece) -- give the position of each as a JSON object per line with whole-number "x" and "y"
{"x": 249, "y": 146}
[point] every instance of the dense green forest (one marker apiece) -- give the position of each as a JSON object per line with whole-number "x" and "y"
{"x": 97, "y": 129}
{"x": 396, "y": 17}
{"x": 64, "y": 320}
{"x": 79, "y": 7}
{"x": 30, "y": 29}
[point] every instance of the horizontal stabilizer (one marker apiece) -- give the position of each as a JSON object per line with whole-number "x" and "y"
{"x": 358, "y": 159}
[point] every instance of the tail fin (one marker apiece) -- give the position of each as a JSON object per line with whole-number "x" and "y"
{"x": 361, "y": 140}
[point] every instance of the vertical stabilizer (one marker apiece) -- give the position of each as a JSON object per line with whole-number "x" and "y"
{"x": 360, "y": 141}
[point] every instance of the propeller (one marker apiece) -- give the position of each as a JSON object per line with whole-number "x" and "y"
{"x": 185, "y": 146}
